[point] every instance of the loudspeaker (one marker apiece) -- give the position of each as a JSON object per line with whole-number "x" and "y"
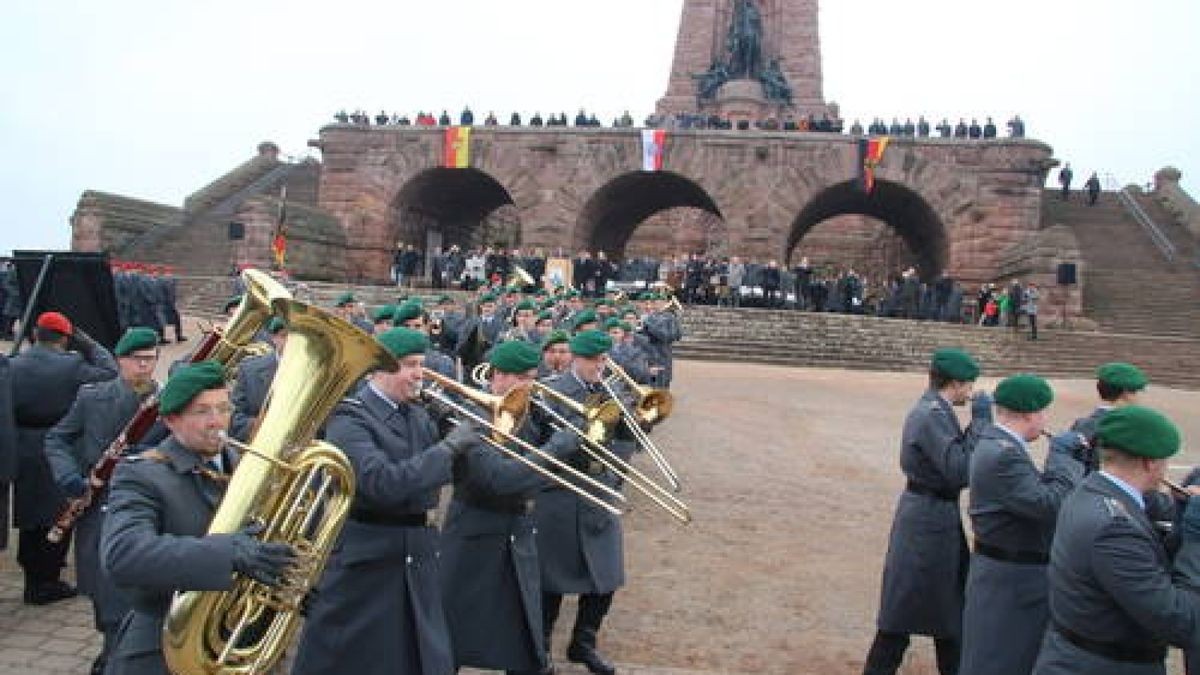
{"x": 237, "y": 231}
{"x": 1066, "y": 274}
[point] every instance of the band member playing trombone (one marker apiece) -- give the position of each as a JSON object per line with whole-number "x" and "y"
{"x": 579, "y": 544}
{"x": 490, "y": 576}
{"x": 378, "y": 608}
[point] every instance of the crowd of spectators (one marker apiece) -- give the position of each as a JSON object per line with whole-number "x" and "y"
{"x": 696, "y": 279}
{"x": 695, "y": 120}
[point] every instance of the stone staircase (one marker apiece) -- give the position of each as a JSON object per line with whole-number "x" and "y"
{"x": 1128, "y": 286}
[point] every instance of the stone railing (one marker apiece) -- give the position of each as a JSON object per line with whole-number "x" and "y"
{"x": 1182, "y": 207}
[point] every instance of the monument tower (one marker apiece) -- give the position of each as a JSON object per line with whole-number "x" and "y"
{"x": 747, "y": 60}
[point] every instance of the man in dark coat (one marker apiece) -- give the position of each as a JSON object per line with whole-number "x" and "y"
{"x": 1013, "y": 507}
{"x": 580, "y": 544}
{"x": 10, "y": 311}
{"x": 1117, "y": 599}
{"x": 73, "y": 448}
{"x": 154, "y": 539}
{"x": 254, "y": 377}
{"x": 170, "y": 300}
{"x": 926, "y": 564}
{"x": 8, "y": 446}
{"x": 45, "y": 381}
{"x": 491, "y": 581}
{"x": 378, "y": 607}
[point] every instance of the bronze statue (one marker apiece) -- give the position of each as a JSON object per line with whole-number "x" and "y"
{"x": 745, "y": 41}
{"x": 708, "y": 82}
{"x": 775, "y": 84}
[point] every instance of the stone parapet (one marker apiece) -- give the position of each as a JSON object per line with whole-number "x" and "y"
{"x": 108, "y": 222}
{"x": 1177, "y": 202}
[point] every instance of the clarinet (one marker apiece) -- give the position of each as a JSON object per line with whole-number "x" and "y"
{"x": 101, "y": 474}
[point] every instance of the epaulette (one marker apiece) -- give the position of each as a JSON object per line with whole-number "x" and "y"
{"x": 350, "y": 400}
{"x": 552, "y": 377}
{"x": 1116, "y": 509}
{"x": 149, "y": 456}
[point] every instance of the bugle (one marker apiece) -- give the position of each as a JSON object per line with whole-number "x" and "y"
{"x": 642, "y": 438}
{"x": 600, "y": 418}
{"x": 507, "y": 412}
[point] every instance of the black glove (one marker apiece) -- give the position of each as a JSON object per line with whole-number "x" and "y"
{"x": 461, "y": 438}
{"x": 265, "y": 562}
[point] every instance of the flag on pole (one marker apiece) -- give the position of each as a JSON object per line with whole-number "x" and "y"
{"x": 457, "y": 148}
{"x": 653, "y": 143}
{"x": 870, "y": 155}
{"x": 279, "y": 241}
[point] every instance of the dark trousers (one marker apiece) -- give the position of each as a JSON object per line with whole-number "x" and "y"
{"x": 592, "y": 609}
{"x": 1032, "y": 326}
{"x": 42, "y": 560}
{"x": 887, "y": 652}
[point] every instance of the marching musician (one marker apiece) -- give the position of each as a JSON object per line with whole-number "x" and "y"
{"x": 543, "y": 324}
{"x": 491, "y": 581}
{"x": 153, "y": 540}
{"x": 524, "y": 323}
{"x": 625, "y": 352}
{"x": 1118, "y": 385}
{"x": 585, "y": 320}
{"x": 45, "y": 380}
{"x": 1117, "y": 600}
{"x": 378, "y": 607}
{"x": 412, "y": 315}
{"x": 556, "y": 354}
{"x": 254, "y": 377}
{"x": 75, "y": 445}
{"x": 662, "y": 328}
{"x": 926, "y": 565}
{"x": 381, "y": 319}
{"x": 1013, "y": 507}
{"x": 579, "y": 544}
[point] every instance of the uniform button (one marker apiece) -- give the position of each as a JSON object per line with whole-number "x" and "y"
{"x": 408, "y": 560}
{"x": 535, "y": 530}
{"x": 512, "y": 538}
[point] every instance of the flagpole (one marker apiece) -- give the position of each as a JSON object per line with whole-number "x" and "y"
{"x": 279, "y": 253}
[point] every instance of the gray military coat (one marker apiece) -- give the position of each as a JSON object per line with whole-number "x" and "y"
{"x": 664, "y": 330}
{"x": 254, "y": 379}
{"x": 378, "y": 607}
{"x": 926, "y": 564}
{"x": 491, "y": 580}
{"x": 73, "y": 446}
{"x": 1112, "y": 581}
{"x": 1013, "y": 507}
{"x": 44, "y": 384}
{"x": 153, "y": 543}
{"x": 580, "y": 545}
{"x": 8, "y": 446}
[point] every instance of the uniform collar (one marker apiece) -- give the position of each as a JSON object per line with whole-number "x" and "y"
{"x": 1012, "y": 434}
{"x": 1128, "y": 489}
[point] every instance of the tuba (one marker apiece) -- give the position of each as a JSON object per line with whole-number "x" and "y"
{"x": 236, "y": 341}
{"x": 298, "y": 490}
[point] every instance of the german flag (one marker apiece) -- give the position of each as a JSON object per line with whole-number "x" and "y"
{"x": 870, "y": 154}
{"x": 457, "y": 149}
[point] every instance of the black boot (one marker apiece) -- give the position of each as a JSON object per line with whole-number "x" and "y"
{"x": 583, "y": 650}
{"x": 46, "y": 592}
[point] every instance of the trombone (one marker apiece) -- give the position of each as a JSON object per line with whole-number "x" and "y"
{"x": 508, "y": 411}
{"x": 655, "y": 404}
{"x": 599, "y": 418}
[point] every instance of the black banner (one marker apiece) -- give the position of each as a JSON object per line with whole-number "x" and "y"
{"x": 80, "y": 285}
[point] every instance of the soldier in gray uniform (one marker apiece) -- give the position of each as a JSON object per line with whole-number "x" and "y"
{"x": 170, "y": 298}
{"x": 8, "y": 447}
{"x": 491, "y": 580}
{"x": 378, "y": 608}
{"x": 1013, "y": 507}
{"x": 1118, "y": 384}
{"x": 74, "y": 446}
{"x": 148, "y": 300}
{"x": 12, "y": 308}
{"x": 663, "y": 329}
{"x": 45, "y": 380}
{"x": 154, "y": 542}
{"x": 626, "y": 354}
{"x": 254, "y": 377}
{"x": 1116, "y": 598}
{"x": 412, "y": 315}
{"x": 556, "y": 354}
{"x": 579, "y": 544}
{"x": 926, "y": 564}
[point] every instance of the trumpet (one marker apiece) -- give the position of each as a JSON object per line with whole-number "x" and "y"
{"x": 600, "y": 418}
{"x": 519, "y": 278}
{"x": 650, "y": 404}
{"x": 508, "y": 412}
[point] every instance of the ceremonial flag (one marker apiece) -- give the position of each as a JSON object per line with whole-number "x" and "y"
{"x": 279, "y": 241}
{"x": 870, "y": 154}
{"x": 457, "y": 148}
{"x": 653, "y": 143}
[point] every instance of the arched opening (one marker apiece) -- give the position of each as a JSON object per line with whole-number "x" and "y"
{"x": 869, "y": 229}
{"x": 464, "y": 207}
{"x": 650, "y": 213}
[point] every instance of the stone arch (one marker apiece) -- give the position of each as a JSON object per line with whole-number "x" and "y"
{"x": 467, "y": 207}
{"x": 615, "y": 210}
{"x": 907, "y": 212}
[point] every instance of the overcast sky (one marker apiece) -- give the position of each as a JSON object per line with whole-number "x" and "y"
{"x": 154, "y": 99}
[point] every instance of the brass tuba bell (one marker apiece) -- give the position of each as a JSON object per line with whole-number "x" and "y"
{"x": 299, "y": 490}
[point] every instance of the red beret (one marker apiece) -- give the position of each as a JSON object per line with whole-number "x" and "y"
{"x": 55, "y": 322}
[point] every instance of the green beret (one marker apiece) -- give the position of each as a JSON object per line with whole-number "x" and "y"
{"x": 515, "y": 356}
{"x": 1023, "y": 393}
{"x": 630, "y": 310}
{"x": 1139, "y": 431}
{"x": 571, "y": 294}
{"x": 549, "y": 304}
{"x": 444, "y": 300}
{"x": 344, "y": 299}
{"x": 554, "y": 337}
{"x": 541, "y": 293}
{"x": 604, "y": 302}
{"x": 526, "y": 305}
{"x": 402, "y": 342}
{"x": 383, "y": 313}
{"x": 1124, "y": 376}
{"x": 955, "y": 364}
{"x": 591, "y": 343}
{"x": 275, "y": 325}
{"x": 545, "y": 315}
{"x": 612, "y": 322}
{"x": 232, "y": 302}
{"x": 487, "y": 297}
{"x": 408, "y": 311}
{"x": 135, "y": 339}
{"x": 584, "y": 316}
{"x": 187, "y": 382}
